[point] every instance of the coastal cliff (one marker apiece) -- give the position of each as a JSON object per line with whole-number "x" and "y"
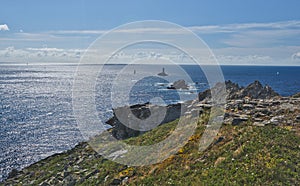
{"x": 258, "y": 143}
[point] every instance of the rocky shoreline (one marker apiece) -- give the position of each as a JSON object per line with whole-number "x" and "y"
{"x": 255, "y": 104}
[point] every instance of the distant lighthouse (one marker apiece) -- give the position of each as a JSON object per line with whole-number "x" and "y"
{"x": 162, "y": 73}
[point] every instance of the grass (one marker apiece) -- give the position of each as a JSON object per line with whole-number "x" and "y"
{"x": 246, "y": 155}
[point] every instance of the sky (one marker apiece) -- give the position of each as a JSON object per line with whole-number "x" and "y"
{"x": 248, "y": 32}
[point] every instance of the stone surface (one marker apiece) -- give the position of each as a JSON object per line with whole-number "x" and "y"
{"x": 142, "y": 112}
{"x": 254, "y": 90}
{"x": 180, "y": 84}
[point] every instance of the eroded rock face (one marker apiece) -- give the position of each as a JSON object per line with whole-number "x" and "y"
{"x": 255, "y": 104}
{"x": 141, "y": 112}
{"x": 180, "y": 84}
{"x": 279, "y": 111}
{"x": 254, "y": 90}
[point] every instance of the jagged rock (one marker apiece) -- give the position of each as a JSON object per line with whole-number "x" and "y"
{"x": 142, "y": 112}
{"x": 254, "y": 90}
{"x": 180, "y": 84}
{"x": 217, "y": 89}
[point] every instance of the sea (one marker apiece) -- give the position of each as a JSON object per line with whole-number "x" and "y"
{"x": 36, "y": 111}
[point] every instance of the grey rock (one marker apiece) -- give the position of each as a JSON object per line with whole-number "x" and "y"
{"x": 13, "y": 173}
{"x": 69, "y": 181}
{"x": 180, "y": 84}
{"x": 259, "y": 124}
{"x": 239, "y": 120}
{"x": 44, "y": 184}
{"x": 275, "y": 120}
{"x": 116, "y": 182}
{"x": 254, "y": 90}
{"x": 66, "y": 173}
{"x": 125, "y": 181}
{"x": 142, "y": 112}
{"x": 248, "y": 106}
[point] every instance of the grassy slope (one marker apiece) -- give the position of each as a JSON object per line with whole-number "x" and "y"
{"x": 248, "y": 154}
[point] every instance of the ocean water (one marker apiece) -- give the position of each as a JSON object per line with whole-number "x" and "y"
{"x": 36, "y": 114}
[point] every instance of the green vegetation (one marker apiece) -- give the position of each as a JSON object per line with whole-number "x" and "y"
{"x": 242, "y": 154}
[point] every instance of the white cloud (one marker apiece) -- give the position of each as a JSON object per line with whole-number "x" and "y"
{"x": 4, "y": 27}
{"x": 244, "y": 59}
{"x": 233, "y": 28}
{"x": 296, "y": 56}
{"x": 248, "y": 43}
{"x": 205, "y": 29}
{"x": 11, "y": 54}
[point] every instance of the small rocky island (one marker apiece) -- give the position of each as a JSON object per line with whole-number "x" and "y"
{"x": 258, "y": 143}
{"x": 179, "y": 84}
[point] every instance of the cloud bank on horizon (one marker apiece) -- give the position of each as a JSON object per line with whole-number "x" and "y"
{"x": 4, "y": 27}
{"x": 275, "y": 43}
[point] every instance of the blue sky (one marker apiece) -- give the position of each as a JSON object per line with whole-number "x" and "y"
{"x": 238, "y": 32}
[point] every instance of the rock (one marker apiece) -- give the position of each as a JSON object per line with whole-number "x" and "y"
{"x": 69, "y": 181}
{"x": 180, "y": 84}
{"x": 66, "y": 173}
{"x": 254, "y": 90}
{"x": 219, "y": 160}
{"x": 259, "y": 124}
{"x": 13, "y": 173}
{"x": 44, "y": 184}
{"x": 91, "y": 174}
{"x": 116, "y": 182}
{"x": 263, "y": 111}
{"x": 125, "y": 181}
{"x": 258, "y": 120}
{"x": 296, "y": 95}
{"x": 239, "y": 120}
{"x": 276, "y": 119}
{"x": 248, "y": 106}
{"x": 220, "y": 139}
{"x": 206, "y": 95}
{"x": 205, "y": 106}
{"x": 142, "y": 112}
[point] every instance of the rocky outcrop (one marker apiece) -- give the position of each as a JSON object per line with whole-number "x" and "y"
{"x": 238, "y": 110}
{"x": 254, "y": 90}
{"x": 279, "y": 111}
{"x": 180, "y": 84}
{"x": 142, "y": 112}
